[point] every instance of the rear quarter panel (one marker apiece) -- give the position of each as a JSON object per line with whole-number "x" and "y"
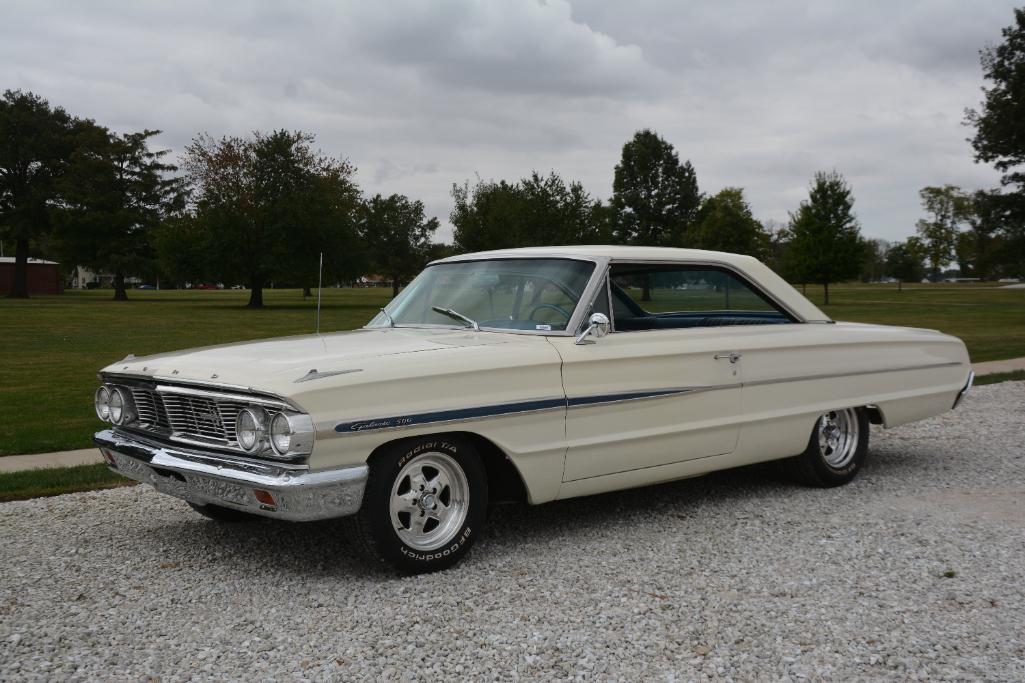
{"x": 793, "y": 373}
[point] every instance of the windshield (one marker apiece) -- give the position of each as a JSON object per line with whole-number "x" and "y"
{"x": 513, "y": 294}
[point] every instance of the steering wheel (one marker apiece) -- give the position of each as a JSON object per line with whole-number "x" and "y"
{"x": 551, "y": 307}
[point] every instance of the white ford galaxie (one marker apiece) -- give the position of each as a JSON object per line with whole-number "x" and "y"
{"x": 528, "y": 374}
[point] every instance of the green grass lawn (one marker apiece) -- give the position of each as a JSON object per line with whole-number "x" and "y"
{"x": 51, "y": 347}
{"x": 56, "y": 481}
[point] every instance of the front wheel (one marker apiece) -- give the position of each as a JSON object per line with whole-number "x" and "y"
{"x": 836, "y": 450}
{"x": 424, "y": 504}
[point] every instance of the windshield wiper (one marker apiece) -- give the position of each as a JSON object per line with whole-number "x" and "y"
{"x": 457, "y": 316}
{"x": 391, "y": 320}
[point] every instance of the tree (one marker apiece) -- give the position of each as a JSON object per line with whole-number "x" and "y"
{"x": 398, "y": 235}
{"x": 536, "y": 211}
{"x": 1000, "y": 121}
{"x": 181, "y": 251}
{"x": 826, "y": 245}
{"x": 268, "y": 205}
{"x": 655, "y": 198}
{"x": 777, "y": 242}
{"x": 1000, "y": 140}
{"x": 725, "y": 223}
{"x": 904, "y": 261}
{"x": 115, "y": 193}
{"x": 873, "y": 260}
{"x": 947, "y": 207}
{"x": 36, "y": 142}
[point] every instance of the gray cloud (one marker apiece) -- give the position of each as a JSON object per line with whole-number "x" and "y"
{"x": 421, "y": 95}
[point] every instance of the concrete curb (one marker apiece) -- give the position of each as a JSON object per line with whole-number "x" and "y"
{"x": 37, "y": 461}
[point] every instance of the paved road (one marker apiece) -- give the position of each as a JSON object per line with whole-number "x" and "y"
{"x": 915, "y": 570}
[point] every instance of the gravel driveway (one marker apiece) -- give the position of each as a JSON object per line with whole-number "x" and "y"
{"x": 916, "y": 570}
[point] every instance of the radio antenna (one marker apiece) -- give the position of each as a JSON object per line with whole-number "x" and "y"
{"x": 320, "y": 282}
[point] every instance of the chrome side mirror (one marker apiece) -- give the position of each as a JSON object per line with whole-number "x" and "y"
{"x": 598, "y": 326}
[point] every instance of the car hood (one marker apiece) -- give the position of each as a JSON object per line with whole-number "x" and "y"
{"x": 270, "y": 364}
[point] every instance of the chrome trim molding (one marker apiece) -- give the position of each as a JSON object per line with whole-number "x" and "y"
{"x": 314, "y": 374}
{"x": 964, "y": 392}
{"x": 834, "y": 375}
{"x": 503, "y": 410}
{"x": 224, "y": 396}
{"x": 216, "y": 387}
{"x": 210, "y": 479}
{"x": 462, "y": 415}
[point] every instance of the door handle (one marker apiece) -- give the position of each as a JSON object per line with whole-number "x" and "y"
{"x": 733, "y": 356}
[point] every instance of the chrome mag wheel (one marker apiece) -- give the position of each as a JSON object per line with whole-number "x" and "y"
{"x": 838, "y": 434}
{"x": 429, "y": 501}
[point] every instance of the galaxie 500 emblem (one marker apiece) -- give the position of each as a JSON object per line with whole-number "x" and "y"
{"x": 375, "y": 424}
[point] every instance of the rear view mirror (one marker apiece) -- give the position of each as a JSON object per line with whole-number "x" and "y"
{"x": 598, "y": 326}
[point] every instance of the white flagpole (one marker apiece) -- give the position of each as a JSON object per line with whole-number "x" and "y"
{"x": 320, "y": 281}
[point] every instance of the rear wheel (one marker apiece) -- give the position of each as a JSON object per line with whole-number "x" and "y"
{"x": 836, "y": 449}
{"x": 425, "y": 502}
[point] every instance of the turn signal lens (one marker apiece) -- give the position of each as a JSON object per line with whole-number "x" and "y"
{"x": 264, "y": 497}
{"x": 102, "y": 403}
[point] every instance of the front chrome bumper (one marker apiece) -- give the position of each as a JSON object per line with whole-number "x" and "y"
{"x": 274, "y": 490}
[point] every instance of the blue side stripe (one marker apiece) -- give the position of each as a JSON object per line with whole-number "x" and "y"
{"x": 612, "y": 398}
{"x": 449, "y": 415}
{"x": 495, "y": 410}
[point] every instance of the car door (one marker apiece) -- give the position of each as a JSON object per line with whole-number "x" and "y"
{"x": 665, "y": 385}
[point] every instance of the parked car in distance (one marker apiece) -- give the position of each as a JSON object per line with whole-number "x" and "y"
{"x": 527, "y": 375}
{"x": 205, "y": 286}
{"x": 145, "y": 286}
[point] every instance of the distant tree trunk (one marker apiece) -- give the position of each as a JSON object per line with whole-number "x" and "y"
{"x": 394, "y": 286}
{"x": 900, "y": 284}
{"x": 825, "y": 286}
{"x": 804, "y": 288}
{"x": 120, "y": 292}
{"x": 307, "y": 291}
{"x": 19, "y": 281}
{"x": 255, "y": 292}
{"x": 646, "y": 294}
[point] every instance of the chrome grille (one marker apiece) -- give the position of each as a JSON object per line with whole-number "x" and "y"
{"x": 150, "y": 409}
{"x": 189, "y": 417}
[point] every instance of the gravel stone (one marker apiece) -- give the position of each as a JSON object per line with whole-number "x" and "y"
{"x": 914, "y": 571}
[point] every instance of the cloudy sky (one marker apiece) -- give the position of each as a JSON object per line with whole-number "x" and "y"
{"x": 422, "y": 94}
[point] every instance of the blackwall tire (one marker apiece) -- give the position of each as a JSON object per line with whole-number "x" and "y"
{"x": 425, "y": 503}
{"x": 836, "y": 450}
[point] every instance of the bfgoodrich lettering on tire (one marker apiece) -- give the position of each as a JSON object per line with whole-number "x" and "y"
{"x": 836, "y": 450}
{"x": 424, "y": 504}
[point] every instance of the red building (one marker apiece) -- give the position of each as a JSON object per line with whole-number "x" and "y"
{"x": 43, "y": 277}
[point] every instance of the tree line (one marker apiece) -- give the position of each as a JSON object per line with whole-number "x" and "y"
{"x": 253, "y": 210}
{"x": 261, "y": 209}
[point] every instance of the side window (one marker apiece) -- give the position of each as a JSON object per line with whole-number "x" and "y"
{"x": 671, "y": 296}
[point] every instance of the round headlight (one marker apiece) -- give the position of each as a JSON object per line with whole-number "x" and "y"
{"x": 280, "y": 434}
{"x": 249, "y": 429}
{"x": 117, "y": 406}
{"x": 102, "y": 403}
